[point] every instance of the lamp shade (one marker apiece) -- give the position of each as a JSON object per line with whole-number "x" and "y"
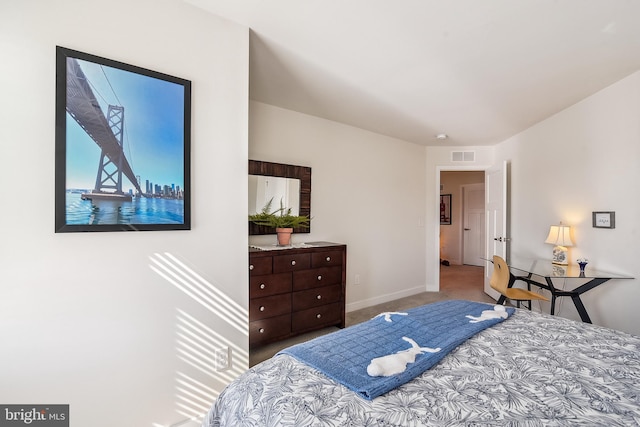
{"x": 560, "y": 235}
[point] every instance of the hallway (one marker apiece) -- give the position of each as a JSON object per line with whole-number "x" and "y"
{"x": 463, "y": 282}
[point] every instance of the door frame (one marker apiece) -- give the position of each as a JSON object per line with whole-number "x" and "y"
{"x": 436, "y": 202}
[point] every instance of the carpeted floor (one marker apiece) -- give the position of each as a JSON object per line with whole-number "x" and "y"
{"x": 456, "y": 282}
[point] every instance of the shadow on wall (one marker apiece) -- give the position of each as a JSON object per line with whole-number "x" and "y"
{"x": 198, "y": 347}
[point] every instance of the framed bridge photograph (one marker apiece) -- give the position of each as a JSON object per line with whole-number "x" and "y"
{"x": 123, "y": 137}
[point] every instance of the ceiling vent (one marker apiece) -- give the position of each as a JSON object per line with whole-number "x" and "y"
{"x": 463, "y": 156}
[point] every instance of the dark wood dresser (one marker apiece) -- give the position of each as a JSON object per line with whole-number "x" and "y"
{"x": 292, "y": 291}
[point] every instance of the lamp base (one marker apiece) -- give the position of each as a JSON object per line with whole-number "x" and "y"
{"x": 560, "y": 255}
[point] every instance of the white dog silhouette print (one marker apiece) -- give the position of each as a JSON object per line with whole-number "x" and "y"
{"x": 396, "y": 363}
{"x": 387, "y": 315}
{"x": 497, "y": 313}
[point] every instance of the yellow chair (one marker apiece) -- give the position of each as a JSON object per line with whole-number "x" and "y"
{"x": 500, "y": 282}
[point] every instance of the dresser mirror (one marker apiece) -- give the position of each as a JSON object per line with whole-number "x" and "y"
{"x": 262, "y": 189}
{"x": 289, "y": 183}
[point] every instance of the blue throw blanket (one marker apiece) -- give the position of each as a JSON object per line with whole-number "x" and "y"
{"x": 345, "y": 355}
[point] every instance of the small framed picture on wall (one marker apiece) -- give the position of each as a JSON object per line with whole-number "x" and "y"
{"x": 604, "y": 219}
{"x": 445, "y": 209}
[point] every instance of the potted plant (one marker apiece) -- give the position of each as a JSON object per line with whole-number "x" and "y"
{"x": 280, "y": 219}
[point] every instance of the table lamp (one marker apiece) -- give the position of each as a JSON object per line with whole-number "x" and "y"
{"x": 560, "y": 236}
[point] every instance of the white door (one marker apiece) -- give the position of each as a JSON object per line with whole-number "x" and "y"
{"x": 496, "y": 218}
{"x": 473, "y": 240}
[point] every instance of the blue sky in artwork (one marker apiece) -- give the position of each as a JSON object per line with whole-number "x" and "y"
{"x": 153, "y": 128}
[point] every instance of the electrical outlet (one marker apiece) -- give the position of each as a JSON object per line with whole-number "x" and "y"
{"x": 222, "y": 358}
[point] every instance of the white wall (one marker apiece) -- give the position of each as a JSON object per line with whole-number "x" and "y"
{"x": 367, "y": 192}
{"x": 581, "y": 160}
{"x": 84, "y": 318}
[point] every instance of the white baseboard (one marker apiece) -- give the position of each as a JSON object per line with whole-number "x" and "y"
{"x": 383, "y": 298}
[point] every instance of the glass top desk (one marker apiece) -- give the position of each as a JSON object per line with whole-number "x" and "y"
{"x": 528, "y": 270}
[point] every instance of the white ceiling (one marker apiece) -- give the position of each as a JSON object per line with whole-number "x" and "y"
{"x": 477, "y": 70}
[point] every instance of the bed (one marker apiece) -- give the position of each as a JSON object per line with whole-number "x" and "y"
{"x": 529, "y": 369}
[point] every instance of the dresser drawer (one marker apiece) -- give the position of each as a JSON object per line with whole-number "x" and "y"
{"x": 316, "y": 297}
{"x": 270, "y": 284}
{"x": 268, "y": 329}
{"x": 260, "y": 265}
{"x": 326, "y": 259}
{"x": 261, "y": 308}
{"x": 316, "y": 278}
{"x": 315, "y": 317}
{"x": 282, "y": 263}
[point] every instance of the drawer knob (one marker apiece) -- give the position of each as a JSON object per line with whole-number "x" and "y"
{"x": 319, "y": 297}
{"x": 261, "y": 330}
{"x": 318, "y": 315}
{"x": 293, "y": 262}
{"x": 262, "y": 308}
{"x": 328, "y": 259}
{"x": 319, "y": 277}
{"x": 262, "y": 286}
{"x": 251, "y": 267}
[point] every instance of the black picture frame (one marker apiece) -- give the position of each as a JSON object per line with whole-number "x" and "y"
{"x": 445, "y": 209}
{"x": 122, "y": 146}
{"x": 604, "y": 219}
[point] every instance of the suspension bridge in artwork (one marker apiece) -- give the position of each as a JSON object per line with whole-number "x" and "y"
{"x": 106, "y": 131}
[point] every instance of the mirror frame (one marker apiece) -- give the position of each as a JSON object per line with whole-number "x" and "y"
{"x": 303, "y": 173}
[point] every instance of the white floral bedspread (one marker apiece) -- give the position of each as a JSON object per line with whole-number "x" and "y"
{"x": 530, "y": 370}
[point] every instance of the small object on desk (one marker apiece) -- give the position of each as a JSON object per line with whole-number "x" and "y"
{"x": 582, "y": 262}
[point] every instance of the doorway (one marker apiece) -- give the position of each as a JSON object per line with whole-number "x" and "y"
{"x": 462, "y": 241}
